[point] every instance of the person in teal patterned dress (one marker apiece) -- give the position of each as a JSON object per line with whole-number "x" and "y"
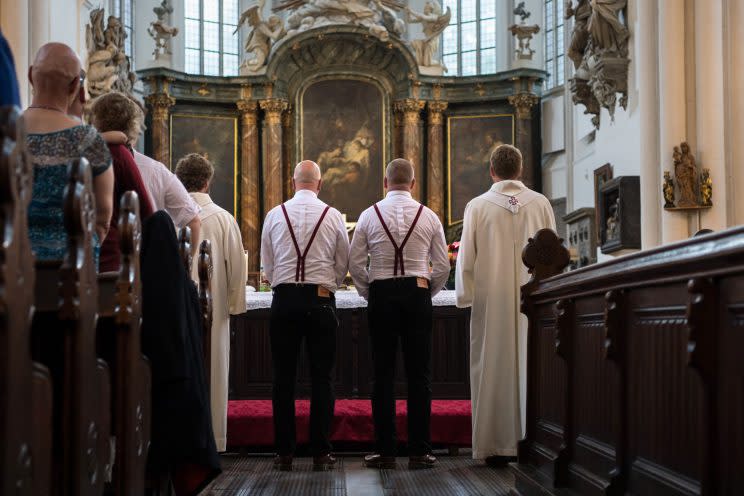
{"x": 54, "y": 139}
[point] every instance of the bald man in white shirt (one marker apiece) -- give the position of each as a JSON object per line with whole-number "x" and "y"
{"x": 402, "y": 239}
{"x": 305, "y": 255}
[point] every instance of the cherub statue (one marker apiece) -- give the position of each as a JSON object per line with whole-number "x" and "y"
{"x": 521, "y": 12}
{"x": 433, "y": 22}
{"x": 102, "y": 66}
{"x": 263, "y": 35}
{"x": 706, "y": 188}
{"x": 668, "y": 190}
{"x": 161, "y": 31}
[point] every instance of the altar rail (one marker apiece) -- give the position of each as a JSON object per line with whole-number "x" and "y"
{"x": 635, "y": 371}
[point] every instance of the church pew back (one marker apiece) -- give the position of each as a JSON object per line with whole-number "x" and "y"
{"x": 635, "y": 377}
{"x": 64, "y": 339}
{"x": 25, "y": 386}
{"x": 119, "y": 343}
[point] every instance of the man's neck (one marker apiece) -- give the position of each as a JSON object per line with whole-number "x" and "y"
{"x": 308, "y": 190}
{"x": 51, "y": 102}
{"x": 403, "y": 189}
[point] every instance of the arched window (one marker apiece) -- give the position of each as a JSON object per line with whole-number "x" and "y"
{"x": 124, "y": 10}
{"x": 211, "y": 46}
{"x": 469, "y": 44}
{"x": 554, "y": 50}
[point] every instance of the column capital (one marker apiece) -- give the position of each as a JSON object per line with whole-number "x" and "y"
{"x": 160, "y": 103}
{"x": 274, "y": 107}
{"x": 436, "y": 107}
{"x": 248, "y": 110}
{"x": 523, "y": 103}
{"x": 410, "y": 108}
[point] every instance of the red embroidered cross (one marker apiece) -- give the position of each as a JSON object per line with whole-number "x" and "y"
{"x": 513, "y": 200}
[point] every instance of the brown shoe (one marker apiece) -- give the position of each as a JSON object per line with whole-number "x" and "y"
{"x": 283, "y": 463}
{"x": 424, "y": 461}
{"x": 376, "y": 460}
{"x": 324, "y": 462}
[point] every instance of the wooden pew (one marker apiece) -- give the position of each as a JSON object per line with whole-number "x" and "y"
{"x": 64, "y": 339}
{"x": 635, "y": 371}
{"x": 119, "y": 343}
{"x": 25, "y": 386}
{"x": 204, "y": 287}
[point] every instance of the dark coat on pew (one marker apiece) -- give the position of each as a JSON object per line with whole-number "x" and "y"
{"x": 182, "y": 439}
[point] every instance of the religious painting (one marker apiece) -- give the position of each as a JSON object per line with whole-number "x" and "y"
{"x": 471, "y": 139}
{"x": 342, "y": 129}
{"x": 601, "y": 176}
{"x": 216, "y": 138}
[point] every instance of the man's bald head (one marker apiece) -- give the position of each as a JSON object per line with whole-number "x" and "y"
{"x": 55, "y": 71}
{"x": 307, "y": 176}
{"x": 399, "y": 175}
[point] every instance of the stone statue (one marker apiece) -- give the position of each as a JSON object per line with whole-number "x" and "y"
{"x": 108, "y": 67}
{"x": 433, "y": 23}
{"x": 668, "y": 190}
{"x": 161, "y": 31}
{"x": 685, "y": 171}
{"x": 263, "y": 35}
{"x": 371, "y": 14}
{"x": 706, "y": 189}
{"x": 522, "y": 12}
{"x": 605, "y": 27}
{"x": 599, "y": 52}
{"x": 613, "y": 222}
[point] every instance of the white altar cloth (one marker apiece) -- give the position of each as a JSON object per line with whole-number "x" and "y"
{"x": 344, "y": 299}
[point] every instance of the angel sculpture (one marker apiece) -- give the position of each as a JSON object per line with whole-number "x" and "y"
{"x": 161, "y": 31}
{"x": 433, "y": 22}
{"x": 521, "y": 12}
{"x": 264, "y": 33}
{"x": 103, "y": 70}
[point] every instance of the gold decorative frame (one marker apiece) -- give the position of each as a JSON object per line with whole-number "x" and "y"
{"x": 450, "y": 119}
{"x": 236, "y": 162}
{"x": 384, "y": 112}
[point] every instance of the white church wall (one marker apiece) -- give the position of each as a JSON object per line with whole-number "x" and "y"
{"x": 734, "y": 124}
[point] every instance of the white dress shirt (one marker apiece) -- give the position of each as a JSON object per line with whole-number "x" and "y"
{"x": 327, "y": 261}
{"x": 426, "y": 244}
{"x": 166, "y": 191}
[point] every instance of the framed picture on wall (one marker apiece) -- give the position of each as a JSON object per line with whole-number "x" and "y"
{"x": 470, "y": 141}
{"x": 342, "y": 129}
{"x": 216, "y": 138}
{"x": 601, "y": 176}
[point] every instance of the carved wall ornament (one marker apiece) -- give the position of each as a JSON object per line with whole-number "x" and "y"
{"x": 523, "y": 33}
{"x": 692, "y": 190}
{"x": 161, "y": 31}
{"x": 160, "y": 104}
{"x": 409, "y": 108}
{"x": 599, "y": 52}
{"x": 264, "y": 34}
{"x": 523, "y": 103}
{"x": 436, "y": 107}
{"x": 108, "y": 67}
{"x": 274, "y": 107}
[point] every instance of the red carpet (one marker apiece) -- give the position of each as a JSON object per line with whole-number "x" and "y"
{"x": 249, "y": 422}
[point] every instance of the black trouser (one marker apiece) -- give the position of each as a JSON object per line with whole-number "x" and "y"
{"x": 297, "y": 312}
{"x": 398, "y": 308}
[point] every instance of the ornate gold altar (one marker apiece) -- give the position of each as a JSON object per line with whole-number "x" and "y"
{"x": 351, "y": 102}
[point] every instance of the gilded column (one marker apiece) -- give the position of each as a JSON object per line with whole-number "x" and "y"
{"x": 273, "y": 182}
{"x": 160, "y": 104}
{"x": 523, "y": 103}
{"x": 410, "y": 109}
{"x": 435, "y": 158}
{"x": 250, "y": 207}
{"x": 287, "y": 147}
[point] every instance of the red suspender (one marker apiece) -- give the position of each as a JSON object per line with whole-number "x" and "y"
{"x": 300, "y": 274}
{"x": 399, "y": 249}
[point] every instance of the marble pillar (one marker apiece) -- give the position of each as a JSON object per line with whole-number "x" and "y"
{"x": 672, "y": 108}
{"x": 397, "y": 134}
{"x": 287, "y": 148}
{"x": 435, "y": 157}
{"x": 523, "y": 103}
{"x": 273, "y": 179}
{"x": 410, "y": 110}
{"x": 250, "y": 189}
{"x": 159, "y": 105}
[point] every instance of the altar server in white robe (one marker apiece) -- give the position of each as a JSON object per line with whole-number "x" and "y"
{"x": 227, "y": 284}
{"x": 488, "y": 278}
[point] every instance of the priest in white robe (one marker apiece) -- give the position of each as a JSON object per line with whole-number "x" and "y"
{"x": 488, "y": 278}
{"x": 228, "y": 281}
